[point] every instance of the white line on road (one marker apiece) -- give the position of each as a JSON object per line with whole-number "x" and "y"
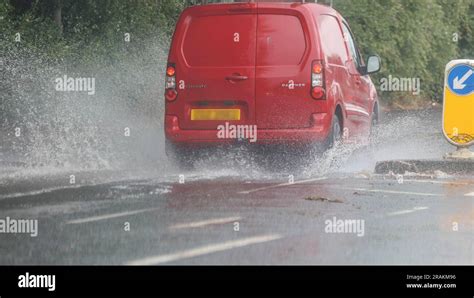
{"x": 204, "y": 250}
{"x": 391, "y": 191}
{"x": 382, "y": 178}
{"x": 37, "y": 192}
{"x": 436, "y": 181}
{"x": 471, "y": 194}
{"x": 203, "y": 223}
{"x": 282, "y": 184}
{"x": 407, "y": 211}
{"x": 107, "y": 216}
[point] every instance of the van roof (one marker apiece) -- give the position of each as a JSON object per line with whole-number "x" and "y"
{"x": 313, "y": 6}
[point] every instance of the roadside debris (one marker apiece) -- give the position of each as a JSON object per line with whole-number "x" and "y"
{"x": 450, "y": 167}
{"x": 323, "y": 199}
{"x": 437, "y": 174}
{"x": 363, "y": 175}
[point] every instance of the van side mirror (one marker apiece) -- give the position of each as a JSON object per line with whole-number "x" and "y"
{"x": 373, "y": 64}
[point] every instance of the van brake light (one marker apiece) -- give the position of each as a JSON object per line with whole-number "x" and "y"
{"x": 317, "y": 80}
{"x": 170, "y": 92}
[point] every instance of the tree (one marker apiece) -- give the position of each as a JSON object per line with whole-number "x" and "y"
{"x": 57, "y": 16}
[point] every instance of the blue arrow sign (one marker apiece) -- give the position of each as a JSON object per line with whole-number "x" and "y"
{"x": 461, "y": 79}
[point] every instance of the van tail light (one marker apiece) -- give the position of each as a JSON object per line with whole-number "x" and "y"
{"x": 170, "y": 71}
{"x": 317, "y": 80}
{"x": 171, "y": 94}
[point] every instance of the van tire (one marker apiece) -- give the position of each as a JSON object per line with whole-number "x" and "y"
{"x": 335, "y": 133}
{"x": 178, "y": 156}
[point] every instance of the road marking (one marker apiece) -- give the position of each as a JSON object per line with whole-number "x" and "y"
{"x": 204, "y": 250}
{"x": 436, "y": 182}
{"x": 203, "y": 223}
{"x": 383, "y": 178}
{"x": 391, "y": 191}
{"x": 107, "y": 216}
{"x": 282, "y": 184}
{"x": 407, "y": 211}
{"x": 37, "y": 192}
{"x": 471, "y": 194}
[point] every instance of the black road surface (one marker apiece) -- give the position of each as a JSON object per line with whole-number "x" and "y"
{"x": 222, "y": 214}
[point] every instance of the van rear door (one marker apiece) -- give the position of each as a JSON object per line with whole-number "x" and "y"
{"x": 283, "y": 69}
{"x": 214, "y": 50}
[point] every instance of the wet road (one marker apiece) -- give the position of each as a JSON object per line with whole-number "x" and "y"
{"x": 346, "y": 215}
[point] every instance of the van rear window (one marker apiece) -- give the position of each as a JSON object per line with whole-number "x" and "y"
{"x": 221, "y": 41}
{"x": 281, "y": 40}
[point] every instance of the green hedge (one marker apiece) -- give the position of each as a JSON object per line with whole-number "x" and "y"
{"x": 413, "y": 37}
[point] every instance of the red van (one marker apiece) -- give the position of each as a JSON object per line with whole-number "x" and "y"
{"x": 290, "y": 73}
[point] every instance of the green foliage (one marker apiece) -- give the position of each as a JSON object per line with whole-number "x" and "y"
{"x": 414, "y": 38}
{"x": 90, "y": 28}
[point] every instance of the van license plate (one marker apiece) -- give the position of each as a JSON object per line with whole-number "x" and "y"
{"x": 215, "y": 114}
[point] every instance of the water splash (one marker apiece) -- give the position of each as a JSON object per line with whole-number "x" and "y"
{"x": 63, "y": 132}
{"x": 119, "y": 127}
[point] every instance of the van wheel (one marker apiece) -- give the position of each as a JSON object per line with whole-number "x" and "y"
{"x": 335, "y": 134}
{"x": 178, "y": 156}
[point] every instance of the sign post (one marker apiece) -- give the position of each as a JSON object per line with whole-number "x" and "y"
{"x": 458, "y": 107}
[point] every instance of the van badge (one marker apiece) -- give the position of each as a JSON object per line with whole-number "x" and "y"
{"x": 292, "y": 85}
{"x": 183, "y": 85}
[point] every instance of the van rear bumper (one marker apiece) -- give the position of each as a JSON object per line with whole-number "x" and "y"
{"x": 316, "y": 133}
